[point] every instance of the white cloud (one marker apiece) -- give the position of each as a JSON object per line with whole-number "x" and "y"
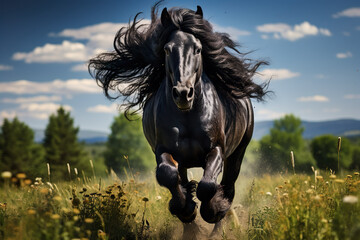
{"x": 65, "y": 87}
{"x": 49, "y": 53}
{"x": 7, "y": 114}
{"x": 352, "y": 96}
{"x": 112, "y": 109}
{"x": 98, "y": 38}
{"x": 316, "y": 98}
{"x": 350, "y": 12}
{"x": 5, "y": 67}
{"x": 32, "y": 99}
{"x": 285, "y": 31}
{"x": 234, "y": 33}
{"x": 41, "y": 110}
{"x": 80, "y": 68}
{"x": 344, "y": 55}
{"x": 265, "y": 114}
{"x": 277, "y": 74}
{"x": 320, "y": 76}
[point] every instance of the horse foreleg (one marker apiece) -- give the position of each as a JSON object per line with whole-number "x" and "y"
{"x": 167, "y": 174}
{"x": 213, "y": 165}
{"x": 214, "y": 206}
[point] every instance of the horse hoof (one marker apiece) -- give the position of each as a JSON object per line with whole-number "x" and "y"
{"x": 188, "y": 218}
{"x": 214, "y": 210}
{"x": 206, "y": 190}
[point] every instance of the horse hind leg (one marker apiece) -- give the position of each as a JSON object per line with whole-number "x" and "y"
{"x": 167, "y": 174}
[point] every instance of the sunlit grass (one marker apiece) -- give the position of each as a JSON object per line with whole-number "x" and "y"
{"x": 298, "y": 206}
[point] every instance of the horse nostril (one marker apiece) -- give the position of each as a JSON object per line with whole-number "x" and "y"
{"x": 175, "y": 93}
{"x": 191, "y": 93}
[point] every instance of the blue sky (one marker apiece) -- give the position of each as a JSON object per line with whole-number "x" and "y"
{"x": 312, "y": 46}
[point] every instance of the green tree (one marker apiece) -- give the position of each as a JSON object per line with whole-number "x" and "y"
{"x": 62, "y": 146}
{"x": 355, "y": 158}
{"x": 284, "y": 137}
{"x": 127, "y": 139}
{"x": 324, "y": 149}
{"x": 18, "y": 151}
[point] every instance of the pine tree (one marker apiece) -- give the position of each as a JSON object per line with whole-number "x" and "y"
{"x": 127, "y": 140}
{"x": 62, "y": 146}
{"x": 18, "y": 152}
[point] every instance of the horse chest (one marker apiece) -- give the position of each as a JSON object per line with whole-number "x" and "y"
{"x": 188, "y": 144}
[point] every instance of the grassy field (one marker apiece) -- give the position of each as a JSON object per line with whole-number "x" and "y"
{"x": 324, "y": 206}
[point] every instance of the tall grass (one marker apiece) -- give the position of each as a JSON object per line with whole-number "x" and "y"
{"x": 298, "y": 206}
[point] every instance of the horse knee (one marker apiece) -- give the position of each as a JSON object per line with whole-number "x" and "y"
{"x": 167, "y": 176}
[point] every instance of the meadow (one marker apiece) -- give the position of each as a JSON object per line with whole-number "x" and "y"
{"x": 283, "y": 206}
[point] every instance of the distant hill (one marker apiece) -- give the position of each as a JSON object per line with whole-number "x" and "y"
{"x": 341, "y": 127}
{"x": 88, "y": 136}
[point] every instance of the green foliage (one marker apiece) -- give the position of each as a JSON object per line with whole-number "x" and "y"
{"x": 325, "y": 151}
{"x": 18, "y": 152}
{"x": 62, "y": 146}
{"x": 127, "y": 139}
{"x": 284, "y": 137}
{"x": 356, "y": 158}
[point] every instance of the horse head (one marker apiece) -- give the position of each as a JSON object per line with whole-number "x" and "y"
{"x": 183, "y": 65}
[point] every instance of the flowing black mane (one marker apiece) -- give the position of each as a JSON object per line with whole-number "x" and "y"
{"x": 136, "y": 67}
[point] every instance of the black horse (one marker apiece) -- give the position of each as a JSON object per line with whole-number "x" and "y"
{"x": 194, "y": 94}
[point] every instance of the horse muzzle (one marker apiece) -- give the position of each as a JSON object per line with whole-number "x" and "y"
{"x": 183, "y": 97}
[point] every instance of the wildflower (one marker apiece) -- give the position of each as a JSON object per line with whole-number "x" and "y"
{"x": 309, "y": 191}
{"x": 76, "y": 211}
{"x": 44, "y": 191}
{"x": 356, "y": 173}
{"x": 57, "y": 198}
{"x": 21, "y": 175}
{"x": 339, "y": 181}
{"x": 323, "y": 220}
{"x": 6, "y": 174}
{"x": 269, "y": 194}
{"x": 89, "y": 220}
{"x": 349, "y": 176}
{"x": 319, "y": 178}
{"x": 157, "y": 198}
{"x": 55, "y": 216}
{"x": 31, "y": 212}
{"x": 350, "y": 199}
{"x": 285, "y": 195}
{"x": 317, "y": 198}
{"x": 101, "y": 234}
{"x": 27, "y": 181}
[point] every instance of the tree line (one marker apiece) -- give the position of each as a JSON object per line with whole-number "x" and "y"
{"x": 326, "y": 152}
{"x": 68, "y": 158}
{"x": 127, "y": 149}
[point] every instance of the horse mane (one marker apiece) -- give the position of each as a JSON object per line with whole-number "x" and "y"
{"x": 136, "y": 67}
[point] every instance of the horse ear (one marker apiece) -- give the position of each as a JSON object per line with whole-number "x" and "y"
{"x": 199, "y": 11}
{"x": 165, "y": 18}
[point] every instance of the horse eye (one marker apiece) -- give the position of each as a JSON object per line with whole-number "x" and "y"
{"x": 198, "y": 51}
